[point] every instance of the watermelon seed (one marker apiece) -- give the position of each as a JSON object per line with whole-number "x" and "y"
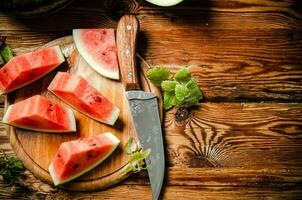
{"x": 97, "y": 98}
{"x": 104, "y": 53}
{"x": 93, "y": 144}
{"x": 104, "y": 32}
{"x": 50, "y": 107}
{"x": 59, "y": 155}
{"x": 33, "y": 72}
{"x": 75, "y": 166}
{"x": 89, "y": 156}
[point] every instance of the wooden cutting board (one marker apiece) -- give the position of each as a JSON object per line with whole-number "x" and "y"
{"x": 36, "y": 150}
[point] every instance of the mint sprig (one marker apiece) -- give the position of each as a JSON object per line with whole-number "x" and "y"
{"x": 180, "y": 90}
{"x": 10, "y": 168}
{"x": 158, "y": 74}
{"x": 183, "y": 75}
{"x": 136, "y": 160}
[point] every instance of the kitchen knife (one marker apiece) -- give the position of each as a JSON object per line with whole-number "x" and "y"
{"x": 143, "y": 105}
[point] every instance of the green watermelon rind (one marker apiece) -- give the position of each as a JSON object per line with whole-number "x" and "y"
{"x": 71, "y": 119}
{"x": 57, "y": 182}
{"x": 61, "y": 60}
{"x": 89, "y": 59}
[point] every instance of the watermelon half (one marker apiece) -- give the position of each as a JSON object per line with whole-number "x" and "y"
{"x": 98, "y": 48}
{"x": 165, "y": 3}
{"x": 78, "y": 93}
{"x": 77, "y": 157}
{"x": 24, "y": 69}
{"x": 38, "y": 113}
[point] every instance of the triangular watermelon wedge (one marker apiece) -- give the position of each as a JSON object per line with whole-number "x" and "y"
{"x": 98, "y": 48}
{"x": 78, "y": 93}
{"x": 24, "y": 69}
{"x": 77, "y": 157}
{"x": 38, "y": 113}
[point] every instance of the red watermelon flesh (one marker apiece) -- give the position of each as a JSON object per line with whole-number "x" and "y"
{"x": 23, "y": 69}
{"x": 98, "y": 48}
{"x": 77, "y": 157}
{"x": 77, "y": 92}
{"x": 40, "y": 114}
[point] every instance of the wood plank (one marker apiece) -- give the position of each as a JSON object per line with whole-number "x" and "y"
{"x": 251, "y": 67}
{"x": 244, "y": 57}
{"x": 171, "y": 192}
{"x": 286, "y": 177}
{"x": 259, "y": 176}
{"x": 218, "y": 15}
{"x": 227, "y": 176}
{"x": 223, "y": 134}
{"x": 247, "y": 176}
{"x": 235, "y": 135}
{"x": 208, "y": 137}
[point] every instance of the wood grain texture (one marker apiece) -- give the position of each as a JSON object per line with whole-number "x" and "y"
{"x": 255, "y": 156}
{"x": 244, "y": 140}
{"x": 172, "y": 193}
{"x": 126, "y": 39}
{"x": 244, "y": 53}
{"x": 36, "y": 150}
{"x": 235, "y": 135}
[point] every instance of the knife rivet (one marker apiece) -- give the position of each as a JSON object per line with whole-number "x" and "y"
{"x": 129, "y": 74}
{"x": 127, "y": 51}
{"x": 129, "y": 27}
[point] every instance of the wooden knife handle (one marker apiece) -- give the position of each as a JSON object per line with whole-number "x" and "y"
{"x": 126, "y": 38}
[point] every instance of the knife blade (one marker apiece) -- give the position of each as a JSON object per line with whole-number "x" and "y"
{"x": 143, "y": 105}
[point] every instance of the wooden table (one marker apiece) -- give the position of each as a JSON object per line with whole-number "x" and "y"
{"x": 245, "y": 140}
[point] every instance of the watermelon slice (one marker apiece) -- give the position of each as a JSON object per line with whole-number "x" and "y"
{"x": 98, "y": 48}
{"x": 77, "y": 157}
{"x": 24, "y": 69}
{"x": 38, "y": 113}
{"x": 78, "y": 93}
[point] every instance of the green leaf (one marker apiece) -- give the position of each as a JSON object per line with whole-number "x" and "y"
{"x": 15, "y": 164}
{"x": 183, "y": 75}
{"x": 158, "y": 74}
{"x": 168, "y": 86}
{"x": 6, "y": 53}
{"x": 196, "y": 93}
{"x": 168, "y": 100}
{"x": 181, "y": 92}
{"x": 192, "y": 84}
{"x": 191, "y": 101}
{"x": 178, "y": 103}
{"x": 136, "y": 161}
{"x": 128, "y": 169}
{"x": 131, "y": 146}
{"x": 139, "y": 156}
{"x": 1, "y": 61}
{"x": 11, "y": 168}
{"x": 194, "y": 90}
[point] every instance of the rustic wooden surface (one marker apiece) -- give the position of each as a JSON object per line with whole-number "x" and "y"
{"x": 244, "y": 141}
